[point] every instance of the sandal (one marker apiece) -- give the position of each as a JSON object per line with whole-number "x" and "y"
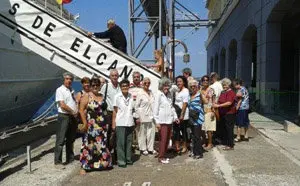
{"x": 198, "y": 157}
{"x": 246, "y": 139}
{"x": 184, "y": 150}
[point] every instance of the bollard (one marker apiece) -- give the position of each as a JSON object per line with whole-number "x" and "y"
{"x": 29, "y": 158}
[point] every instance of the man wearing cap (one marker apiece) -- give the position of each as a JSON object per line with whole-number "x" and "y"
{"x": 67, "y": 111}
{"x": 187, "y": 72}
{"x": 115, "y": 34}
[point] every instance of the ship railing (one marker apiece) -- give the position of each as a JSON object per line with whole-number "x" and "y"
{"x": 11, "y": 139}
{"x": 45, "y": 114}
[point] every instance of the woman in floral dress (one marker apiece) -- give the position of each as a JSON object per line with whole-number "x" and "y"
{"x": 94, "y": 154}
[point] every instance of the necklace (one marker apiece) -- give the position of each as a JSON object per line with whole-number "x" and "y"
{"x": 126, "y": 100}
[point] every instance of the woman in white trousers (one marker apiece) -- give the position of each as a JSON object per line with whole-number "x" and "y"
{"x": 144, "y": 110}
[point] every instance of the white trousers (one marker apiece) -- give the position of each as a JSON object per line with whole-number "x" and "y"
{"x": 146, "y": 136}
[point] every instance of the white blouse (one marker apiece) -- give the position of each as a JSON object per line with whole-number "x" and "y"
{"x": 124, "y": 117}
{"x": 144, "y": 106}
{"x": 164, "y": 112}
{"x": 183, "y": 97}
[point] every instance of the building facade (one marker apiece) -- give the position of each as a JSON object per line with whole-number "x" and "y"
{"x": 259, "y": 42}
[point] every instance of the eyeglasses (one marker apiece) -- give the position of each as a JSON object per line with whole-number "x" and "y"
{"x": 95, "y": 85}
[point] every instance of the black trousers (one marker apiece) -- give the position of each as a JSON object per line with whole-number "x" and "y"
{"x": 180, "y": 130}
{"x": 197, "y": 140}
{"x": 66, "y": 133}
{"x": 228, "y": 121}
{"x": 111, "y": 136}
{"x": 220, "y": 130}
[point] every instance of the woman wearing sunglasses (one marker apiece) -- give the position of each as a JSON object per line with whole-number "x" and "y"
{"x": 196, "y": 118}
{"x": 94, "y": 154}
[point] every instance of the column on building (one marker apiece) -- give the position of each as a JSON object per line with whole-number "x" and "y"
{"x": 269, "y": 50}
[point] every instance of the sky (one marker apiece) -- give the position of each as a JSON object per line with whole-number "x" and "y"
{"x": 95, "y": 13}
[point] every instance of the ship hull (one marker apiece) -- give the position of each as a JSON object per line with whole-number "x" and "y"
{"x": 26, "y": 82}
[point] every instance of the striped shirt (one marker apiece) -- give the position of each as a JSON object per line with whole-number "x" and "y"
{"x": 196, "y": 105}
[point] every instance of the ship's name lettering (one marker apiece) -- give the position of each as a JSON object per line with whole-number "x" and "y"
{"x": 76, "y": 45}
{"x": 101, "y": 57}
{"x": 37, "y": 23}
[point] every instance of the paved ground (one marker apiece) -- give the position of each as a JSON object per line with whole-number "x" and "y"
{"x": 270, "y": 158}
{"x": 181, "y": 171}
{"x": 272, "y": 128}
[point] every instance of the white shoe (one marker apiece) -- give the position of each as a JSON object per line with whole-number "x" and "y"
{"x": 164, "y": 161}
{"x": 145, "y": 153}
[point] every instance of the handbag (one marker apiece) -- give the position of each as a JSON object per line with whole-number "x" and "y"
{"x": 104, "y": 104}
{"x": 176, "y": 107}
{"x": 194, "y": 115}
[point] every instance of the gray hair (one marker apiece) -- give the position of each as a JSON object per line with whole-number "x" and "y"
{"x": 193, "y": 82}
{"x": 214, "y": 75}
{"x": 111, "y": 21}
{"x": 147, "y": 79}
{"x": 162, "y": 82}
{"x": 113, "y": 70}
{"x": 187, "y": 70}
{"x": 68, "y": 74}
{"x": 226, "y": 81}
{"x": 136, "y": 72}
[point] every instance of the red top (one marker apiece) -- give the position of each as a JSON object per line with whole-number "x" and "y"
{"x": 227, "y": 96}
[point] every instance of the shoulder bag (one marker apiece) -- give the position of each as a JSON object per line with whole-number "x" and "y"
{"x": 177, "y": 108}
{"x": 194, "y": 114}
{"x": 104, "y": 104}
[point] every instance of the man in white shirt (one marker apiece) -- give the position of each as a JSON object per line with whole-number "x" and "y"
{"x": 123, "y": 124}
{"x": 111, "y": 89}
{"x": 216, "y": 85}
{"x": 134, "y": 88}
{"x": 67, "y": 111}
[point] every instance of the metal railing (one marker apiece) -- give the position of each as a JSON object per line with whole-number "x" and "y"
{"x": 56, "y": 9}
{"x": 283, "y": 102}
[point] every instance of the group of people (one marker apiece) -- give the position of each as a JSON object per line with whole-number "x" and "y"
{"x": 115, "y": 116}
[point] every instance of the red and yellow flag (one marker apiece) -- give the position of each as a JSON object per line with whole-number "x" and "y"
{"x": 63, "y": 1}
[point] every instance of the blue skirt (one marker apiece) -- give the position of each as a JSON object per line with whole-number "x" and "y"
{"x": 242, "y": 118}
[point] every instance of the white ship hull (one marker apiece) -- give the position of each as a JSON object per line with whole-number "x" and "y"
{"x": 26, "y": 82}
